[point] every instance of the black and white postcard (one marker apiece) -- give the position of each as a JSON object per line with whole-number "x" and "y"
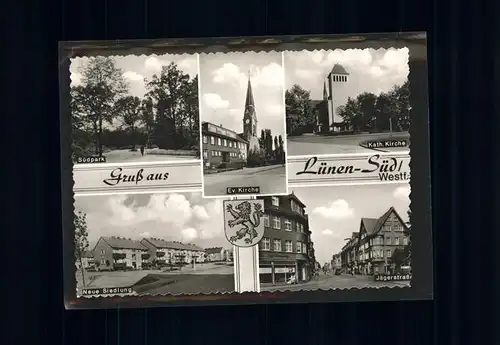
{"x": 243, "y": 124}
{"x": 347, "y": 101}
{"x": 245, "y": 170}
{"x": 151, "y": 244}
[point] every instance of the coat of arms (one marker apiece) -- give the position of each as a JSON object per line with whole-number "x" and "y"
{"x": 242, "y": 222}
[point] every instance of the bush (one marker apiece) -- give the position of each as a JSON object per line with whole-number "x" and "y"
{"x": 256, "y": 160}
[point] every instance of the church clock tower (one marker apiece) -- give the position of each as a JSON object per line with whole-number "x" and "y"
{"x": 250, "y": 121}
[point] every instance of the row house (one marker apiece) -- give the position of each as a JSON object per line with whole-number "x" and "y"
{"x": 119, "y": 253}
{"x": 286, "y": 249}
{"x": 370, "y": 251}
{"x": 215, "y": 254}
{"x": 172, "y": 252}
{"x": 349, "y": 252}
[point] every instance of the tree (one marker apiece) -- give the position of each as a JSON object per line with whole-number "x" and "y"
{"x": 148, "y": 118}
{"x": 81, "y": 239}
{"x": 262, "y": 140}
{"x": 268, "y": 142}
{"x": 398, "y": 257}
{"x": 129, "y": 109}
{"x": 299, "y": 112}
{"x": 351, "y": 114}
{"x": 175, "y": 96}
{"x": 408, "y": 233}
{"x": 93, "y": 101}
{"x": 276, "y": 148}
{"x": 366, "y": 103}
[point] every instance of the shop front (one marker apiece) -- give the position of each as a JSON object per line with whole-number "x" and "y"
{"x": 279, "y": 272}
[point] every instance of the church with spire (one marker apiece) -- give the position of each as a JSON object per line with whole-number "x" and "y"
{"x": 250, "y": 122}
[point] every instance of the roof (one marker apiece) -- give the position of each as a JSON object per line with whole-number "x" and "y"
{"x": 88, "y": 254}
{"x": 222, "y": 132}
{"x": 373, "y": 225}
{"x": 369, "y": 224}
{"x": 249, "y": 99}
{"x": 338, "y": 69}
{"x": 294, "y": 197}
{"x": 214, "y": 250}
{"x": 162, "y": 244}
{"x": 123, "y": 243}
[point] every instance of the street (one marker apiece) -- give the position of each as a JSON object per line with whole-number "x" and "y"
{"x": 270, "y": 179}
{"x": 312, "y": 144}
{"x": 330, "y": 281}
{"x": 121, "y": 156}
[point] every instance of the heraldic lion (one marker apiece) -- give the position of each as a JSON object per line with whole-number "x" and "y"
{"x": 243, "y": 216}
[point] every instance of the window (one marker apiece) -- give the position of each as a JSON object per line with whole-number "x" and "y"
{"x": 304, "y": 248}
{"x": 277, "y": 245}
{"x": 295, "y": 207}
{"x": 388, "y": 253}
{"x": 288, "y": 246}
{"x": 288, "y": 225}
{"x": 276, "y": 222}
{"x": 219, "y": 142}
{"x": 387, "y": 240}
{"x": 396, "y": 241}
{"x": 212, "y": 140}
{"x": 205, "y": 139}
{"x": 275, "y": 201}
{"x": 205, "y": 154}
{"x": 266, "y": 220}
{"x": 405, "y": 241}
{"x": 225, "y": 142}
{"x": 265, "y": 244}
{"x": 300, "y": 227}
{"x": 299, "y": 247}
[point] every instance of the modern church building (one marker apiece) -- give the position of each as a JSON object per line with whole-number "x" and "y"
{"x": 327, "y": 119}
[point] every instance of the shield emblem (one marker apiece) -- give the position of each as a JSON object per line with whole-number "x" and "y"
{"x": 243, "y": 223}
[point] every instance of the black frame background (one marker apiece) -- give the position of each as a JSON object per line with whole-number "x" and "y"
{"x": 463, "y": 68}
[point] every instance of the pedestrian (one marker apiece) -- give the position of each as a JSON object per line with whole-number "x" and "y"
{"x": 142, "y": 150}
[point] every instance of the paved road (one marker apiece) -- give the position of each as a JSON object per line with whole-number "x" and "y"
{"x": 121, "y": 156}
{"x": 311, "y": 144}
{"x": 344, "y": 281}
{"x": 271, "y": 180}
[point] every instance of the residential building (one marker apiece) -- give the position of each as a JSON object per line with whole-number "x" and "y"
{"x": 87, "y": 260}
{"x": 172, "y": 252}
{"x": 370, "y": 250}
{"x": 336, "y": 263}
{"x": 119, "y": 253}
{"x": 215, "y": 254}
{"x": 349, "y": 252}
{"x": 286, "y": 249}
{"x": 222, "y": 148}
{"x": 227, "y": 255}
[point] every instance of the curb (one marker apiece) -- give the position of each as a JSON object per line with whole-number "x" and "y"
{"x": 154, "y": 285}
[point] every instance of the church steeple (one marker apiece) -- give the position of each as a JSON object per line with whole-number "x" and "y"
{"x": 325, "y": 94}
{"x": 249, "y": 102}
{"x": 250, "y": 116}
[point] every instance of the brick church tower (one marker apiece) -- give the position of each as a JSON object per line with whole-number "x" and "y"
{"x": 250, "y": 129}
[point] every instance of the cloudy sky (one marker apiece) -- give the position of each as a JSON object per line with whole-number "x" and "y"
{"x": 369, "y": 70}
{"x": 223, "y": 86}
{"x": 183, "y": 217}
{"x": 136, "y": 68}
{"x": 335, "y": 212}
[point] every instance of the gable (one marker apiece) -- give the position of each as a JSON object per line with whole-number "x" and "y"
{"x": 393, "y": 219}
